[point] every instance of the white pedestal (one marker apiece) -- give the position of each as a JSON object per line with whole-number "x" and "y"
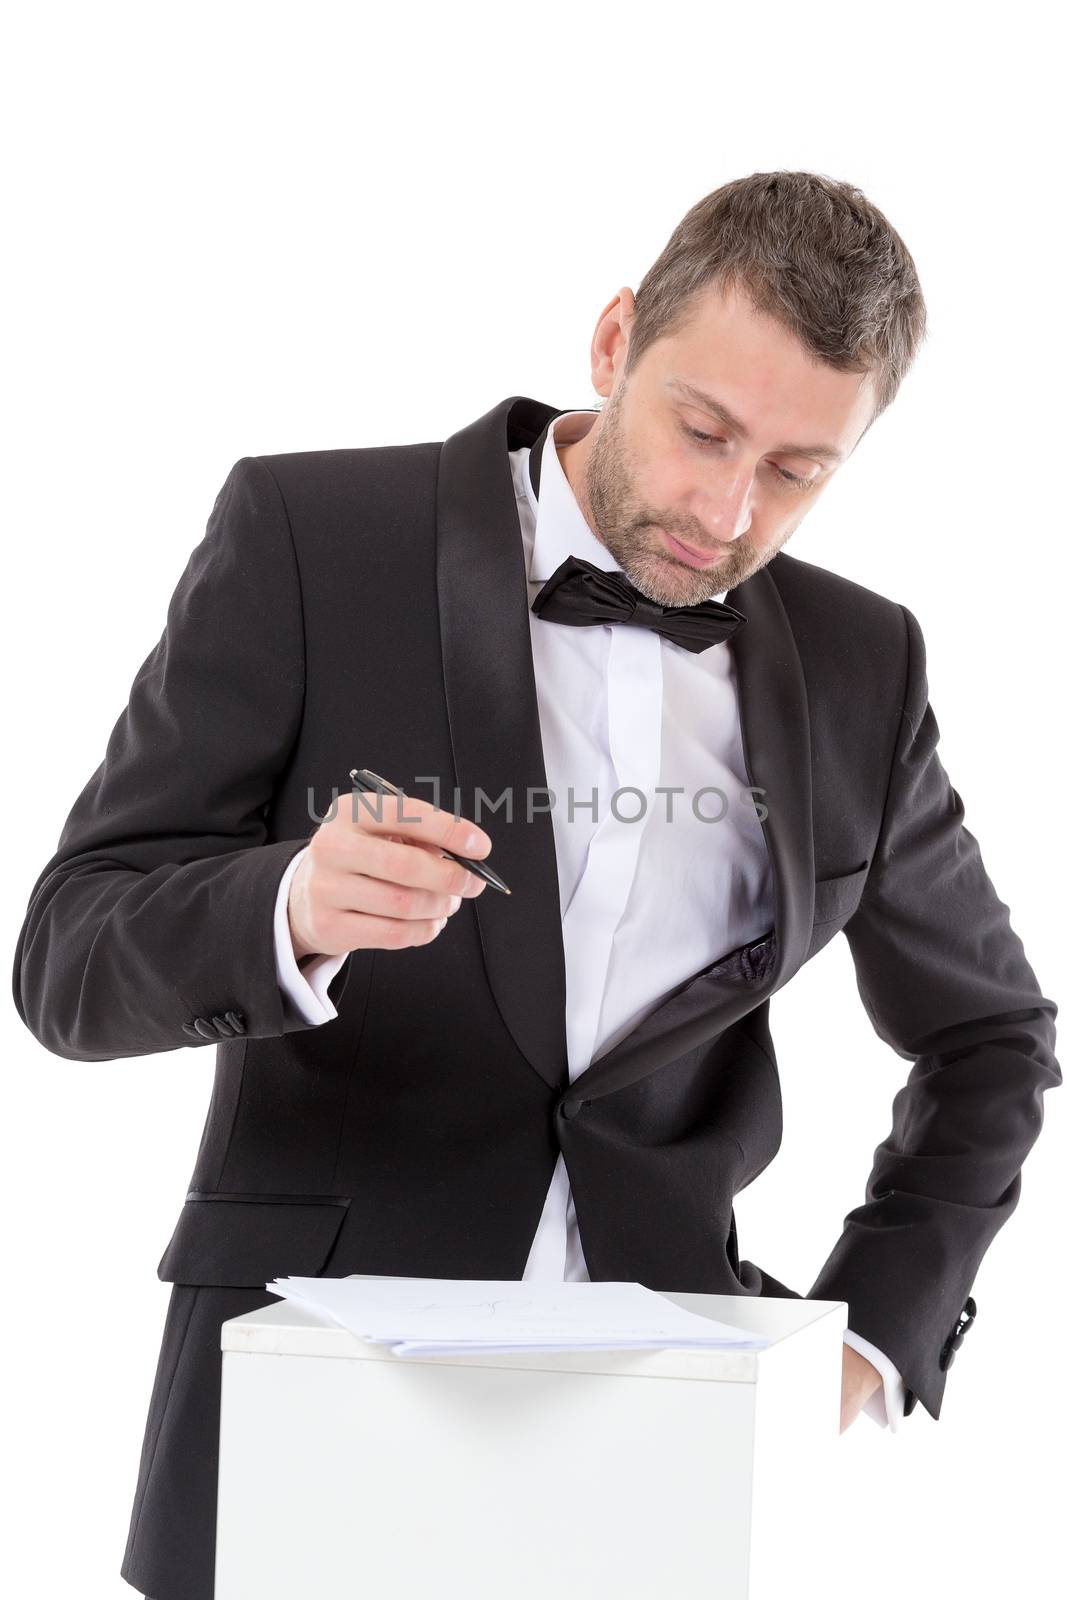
{"x": 346, "y": 1471}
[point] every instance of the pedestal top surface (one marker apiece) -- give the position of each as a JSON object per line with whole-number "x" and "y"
{"x": 286, "y": 1328}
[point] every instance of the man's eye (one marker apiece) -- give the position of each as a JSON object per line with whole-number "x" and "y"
{"x": 789, "y": 477}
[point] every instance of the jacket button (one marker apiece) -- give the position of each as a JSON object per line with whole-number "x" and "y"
{"x": 569, "y": 1109}
{"x": 955, "y": 1338}
{"x": 229, "y": 1025}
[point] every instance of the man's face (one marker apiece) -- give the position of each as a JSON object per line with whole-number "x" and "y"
{"x": 661, "y": 464}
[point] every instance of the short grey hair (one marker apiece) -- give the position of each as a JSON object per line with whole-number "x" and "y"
{"x": 808, "y": 250}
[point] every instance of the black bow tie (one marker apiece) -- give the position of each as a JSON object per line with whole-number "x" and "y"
{"x": 581, "y": 595}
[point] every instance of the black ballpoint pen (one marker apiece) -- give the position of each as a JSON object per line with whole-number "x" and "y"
{"x": 370, "y": 783}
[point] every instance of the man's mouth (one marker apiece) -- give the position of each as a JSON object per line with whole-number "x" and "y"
{"x": 692, "y": 558}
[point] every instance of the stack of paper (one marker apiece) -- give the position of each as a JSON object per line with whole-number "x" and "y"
{"x": 464, "y": 1316}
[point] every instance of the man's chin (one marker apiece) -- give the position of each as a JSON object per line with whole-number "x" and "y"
{"x": 674, "y": 583}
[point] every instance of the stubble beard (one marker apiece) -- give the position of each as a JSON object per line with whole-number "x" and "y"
{"x": 632, "y": 536}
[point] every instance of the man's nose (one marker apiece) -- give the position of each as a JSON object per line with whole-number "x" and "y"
{"x": 722, "y": 523}
{"x": 725, "y": 508}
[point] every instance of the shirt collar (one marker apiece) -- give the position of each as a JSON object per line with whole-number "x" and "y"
{"x": 560, "y": 530}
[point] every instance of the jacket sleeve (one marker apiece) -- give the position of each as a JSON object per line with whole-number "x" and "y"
{"x": 945, "y": 982}
{"x": 151, "y": 926}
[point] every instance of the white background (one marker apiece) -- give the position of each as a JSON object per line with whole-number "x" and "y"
{"x": 240, "y": 229}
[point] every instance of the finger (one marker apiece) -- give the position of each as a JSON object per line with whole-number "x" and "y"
{"x": 399, "y": 900}
{"x": 363, "y": 931}
{"x": 395, "y": 862}
{"x": 419, "y": 822}
{"x": 472, "y": 885}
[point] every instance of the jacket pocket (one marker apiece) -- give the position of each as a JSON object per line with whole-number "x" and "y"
{"x": 242, "y": 1241}
{"x": 837, "y": 898}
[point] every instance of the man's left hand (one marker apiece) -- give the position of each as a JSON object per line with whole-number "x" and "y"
{"x": 859, "y": 1380}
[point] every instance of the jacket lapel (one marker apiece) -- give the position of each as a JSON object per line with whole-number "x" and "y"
{"x": 496, "y": 741}
{"x": 495, "y": 726}
{"x": 776, "y": 740}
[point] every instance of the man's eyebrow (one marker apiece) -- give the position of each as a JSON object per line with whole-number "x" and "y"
{"x": 708, "y": 401}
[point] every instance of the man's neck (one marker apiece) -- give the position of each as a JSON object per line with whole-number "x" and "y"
{"x": 572, "y": 457}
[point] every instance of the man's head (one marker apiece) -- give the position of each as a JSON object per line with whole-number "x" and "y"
{"x": 774, "y": 328}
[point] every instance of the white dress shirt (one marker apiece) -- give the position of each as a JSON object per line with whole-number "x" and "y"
{"x": 622, "y": 711}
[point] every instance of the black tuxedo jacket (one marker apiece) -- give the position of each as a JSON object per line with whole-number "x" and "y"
{"x": 368, "y": 607}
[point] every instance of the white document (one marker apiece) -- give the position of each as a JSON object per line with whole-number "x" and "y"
{"x": 463, "y": 1316}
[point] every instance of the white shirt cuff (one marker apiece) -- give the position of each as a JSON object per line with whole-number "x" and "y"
{"x": 886, "y": 1405}
{"x": 304, "y": 986}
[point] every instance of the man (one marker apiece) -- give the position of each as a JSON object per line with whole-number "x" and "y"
{"x": 543, "y": 614}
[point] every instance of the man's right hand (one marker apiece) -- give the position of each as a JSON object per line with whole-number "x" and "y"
{"x": 370, "y": 884}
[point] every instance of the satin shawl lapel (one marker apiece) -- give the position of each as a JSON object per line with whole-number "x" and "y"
{"x": 496, "y": 741}
{"x": 776, "y": 740}
{"x": 495, "y": 726}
